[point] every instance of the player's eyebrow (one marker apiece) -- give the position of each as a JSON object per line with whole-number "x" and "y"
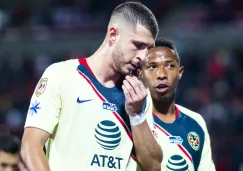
{"x": 151, "y": 63}
{"x": 142, "y": 43}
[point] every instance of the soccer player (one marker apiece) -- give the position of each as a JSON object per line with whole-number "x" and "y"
{"x": 9, "y": 154}
{"x": 88, "y": 112}
{"x": 181, "y": 132}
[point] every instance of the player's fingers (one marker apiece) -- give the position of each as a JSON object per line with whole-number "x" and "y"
{"x": 130, "y": 90}
{"x": 137, "y": 85}
{"x": 127, "y": 94}
{"x": 142, "y": 89}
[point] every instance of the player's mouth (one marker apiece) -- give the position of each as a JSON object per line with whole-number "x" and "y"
{"x": 162, "y": 88}
{"x": 133, "y": 66}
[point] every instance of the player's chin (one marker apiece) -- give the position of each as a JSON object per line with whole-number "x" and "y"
{"x": 126, "y": 71}
{"x": 162, "y": 97}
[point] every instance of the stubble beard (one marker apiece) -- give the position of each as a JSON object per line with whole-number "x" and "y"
{"x": 118, "y": 59}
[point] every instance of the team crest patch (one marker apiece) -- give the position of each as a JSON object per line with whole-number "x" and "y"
{"x": 193, "y": 140}
{"x": 41, "y": 87}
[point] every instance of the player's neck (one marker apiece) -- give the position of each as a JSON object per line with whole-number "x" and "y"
{"x": 165, "y": 110}
{"x": 101, "y": 65}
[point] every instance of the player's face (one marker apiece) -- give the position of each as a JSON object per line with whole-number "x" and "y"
{"x": 131, "y": 48}
{"x": 161, "y": 73}
{"x": 8, "y": 162}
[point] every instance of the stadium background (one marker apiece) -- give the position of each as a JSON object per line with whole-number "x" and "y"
{"x": 208, "y": 35}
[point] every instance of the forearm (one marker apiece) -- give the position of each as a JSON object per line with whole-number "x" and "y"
{"x": 148, "y": 152}
{"x": 34, "y": 158}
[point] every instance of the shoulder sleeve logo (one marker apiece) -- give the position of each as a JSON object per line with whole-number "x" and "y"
{"x": 41, "y": 87}
{"x": 35, "y": 106}
{"x": 193, "y": 140}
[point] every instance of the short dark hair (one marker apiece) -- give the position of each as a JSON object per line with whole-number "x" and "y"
{"x": 9, "y": 144}
{"x": 163, "y": 42}
{"x": 136, "y": 12}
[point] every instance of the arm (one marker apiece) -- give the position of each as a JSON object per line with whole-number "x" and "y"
{"x": 148, "y": 151}
{"x": 206, "y": 162}
{"x": 42, "y": 117}
{"x": 32, "y": 152}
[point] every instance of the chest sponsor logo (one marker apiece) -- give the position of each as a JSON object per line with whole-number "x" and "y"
{"x": 108, "y": 136}
{"x": 176, "y": 163}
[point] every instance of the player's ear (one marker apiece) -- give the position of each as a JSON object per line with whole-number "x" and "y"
{"x": 181, "y": 70}
{"x": 139, "y": 73}
{"x": 112, "y": 33}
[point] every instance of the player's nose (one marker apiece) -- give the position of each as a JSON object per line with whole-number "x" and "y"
{"x": 143, "y": 54}
{"x": 161, "y": 73}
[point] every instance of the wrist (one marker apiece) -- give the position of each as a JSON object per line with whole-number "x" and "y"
{"x": 137, "y": 119}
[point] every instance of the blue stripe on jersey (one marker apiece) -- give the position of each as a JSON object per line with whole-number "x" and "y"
{"x": 181, "y": 127}
{"x": 114, "y": 95}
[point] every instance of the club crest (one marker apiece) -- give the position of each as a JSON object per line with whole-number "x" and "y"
{"x": 193, "y": 140}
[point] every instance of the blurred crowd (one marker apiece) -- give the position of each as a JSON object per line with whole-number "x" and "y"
{"x": 75, "y": 14}
{"x": 212, "y": 83}
{"x": 213, "y": 86}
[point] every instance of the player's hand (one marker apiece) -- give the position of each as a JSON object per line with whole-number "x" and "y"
{"x": 135, "y": 94}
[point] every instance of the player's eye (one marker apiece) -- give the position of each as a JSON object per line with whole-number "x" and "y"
{"x": 4, "y": 165}
{"x": 151, "y": 66}
{"x": 15, "y": 166}
{"x": 140, "y": 45}
{"x": 171, "y": 65}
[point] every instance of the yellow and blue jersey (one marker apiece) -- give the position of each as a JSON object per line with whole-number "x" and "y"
{"x": 89, "y": 127}
{"x": 185, "y": 142}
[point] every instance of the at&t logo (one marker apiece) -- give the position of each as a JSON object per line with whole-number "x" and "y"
{"x": 108, "y": 136}
{"x": 176, "y": 163}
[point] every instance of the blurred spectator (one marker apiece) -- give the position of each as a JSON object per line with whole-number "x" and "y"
{"x": 20, "y": 14}
{"x": 10, "y": 154}
{"x": 4, "y": 19}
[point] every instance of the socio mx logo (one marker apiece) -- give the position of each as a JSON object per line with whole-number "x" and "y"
{"x": 108, "y": 136}
{"x": 109, "y": 106}
{"x": 175, "y": 139}
{"x": 177, "y": 163}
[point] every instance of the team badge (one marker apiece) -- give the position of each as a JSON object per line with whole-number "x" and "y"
{"x": 41, "y": 87}
{"x": 193, "y": 140}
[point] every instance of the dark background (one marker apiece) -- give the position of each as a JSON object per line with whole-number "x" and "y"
{"x": 208, "y": 35}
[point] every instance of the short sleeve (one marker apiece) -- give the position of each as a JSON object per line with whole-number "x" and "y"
{"x": 45, "y": 104}
{"x": 206, "y": 162}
